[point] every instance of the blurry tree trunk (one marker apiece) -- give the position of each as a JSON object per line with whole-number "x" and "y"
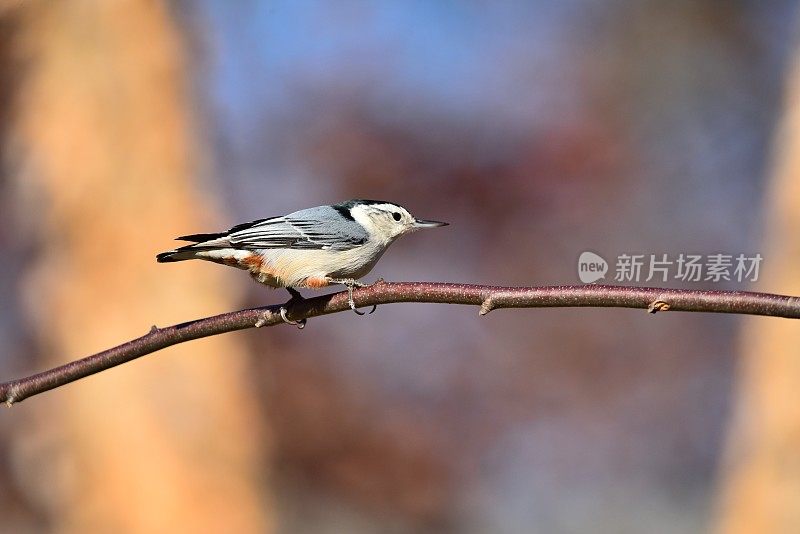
{"x": 760, "y": 489}
{"x": 171, "y": 443}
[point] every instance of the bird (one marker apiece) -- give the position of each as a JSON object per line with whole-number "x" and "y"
{"x": 310, "y": 248}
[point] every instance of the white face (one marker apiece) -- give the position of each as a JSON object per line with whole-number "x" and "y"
{"x": 384, "y": 221}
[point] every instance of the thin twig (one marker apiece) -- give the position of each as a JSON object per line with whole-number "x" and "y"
{"x": 487, "y": 297}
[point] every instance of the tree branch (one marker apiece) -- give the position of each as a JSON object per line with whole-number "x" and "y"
{"x": 487, "y": 297}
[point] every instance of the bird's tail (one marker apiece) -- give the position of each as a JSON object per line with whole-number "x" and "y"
{"x": 179, "y": 254}
{"x": 200, "y": 243}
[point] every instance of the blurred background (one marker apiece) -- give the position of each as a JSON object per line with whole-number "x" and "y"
{"x": 538, "y": 129}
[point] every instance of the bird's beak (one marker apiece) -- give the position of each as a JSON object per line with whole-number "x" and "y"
{"x": 421, "y": 223}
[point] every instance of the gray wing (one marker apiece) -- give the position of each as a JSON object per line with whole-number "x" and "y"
{"x": 314, "y": 228}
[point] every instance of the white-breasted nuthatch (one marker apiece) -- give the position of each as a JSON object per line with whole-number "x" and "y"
{"x": 313, "y": 248}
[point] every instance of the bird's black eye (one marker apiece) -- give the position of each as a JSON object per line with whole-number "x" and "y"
{"x": 396, "y": 216}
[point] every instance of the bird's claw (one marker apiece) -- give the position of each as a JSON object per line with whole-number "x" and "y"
{"x": 296, "y": 297}
{"x": 284, "y": 315}
{"x": 350, "y": 283}
{"x": 353, "y": 307}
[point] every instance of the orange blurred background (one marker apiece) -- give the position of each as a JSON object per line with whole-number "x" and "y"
{"x": 539, "y": 130}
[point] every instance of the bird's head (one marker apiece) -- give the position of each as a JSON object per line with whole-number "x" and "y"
{"x": 385, "y": 220}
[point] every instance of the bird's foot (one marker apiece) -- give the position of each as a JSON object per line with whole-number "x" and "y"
{"x": 351, "y": 283}
{"x": 296, "y": 297}
{"x": 284, "y": 315}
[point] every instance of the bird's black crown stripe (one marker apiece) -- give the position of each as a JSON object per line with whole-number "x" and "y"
{"x": 350, "y": 204}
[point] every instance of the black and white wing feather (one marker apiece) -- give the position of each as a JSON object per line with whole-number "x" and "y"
{"x": 321, "y": 228}
{"x": 311, "y": 231}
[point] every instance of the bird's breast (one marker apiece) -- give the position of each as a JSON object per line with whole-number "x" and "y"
{"x": 291, "y": 267}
